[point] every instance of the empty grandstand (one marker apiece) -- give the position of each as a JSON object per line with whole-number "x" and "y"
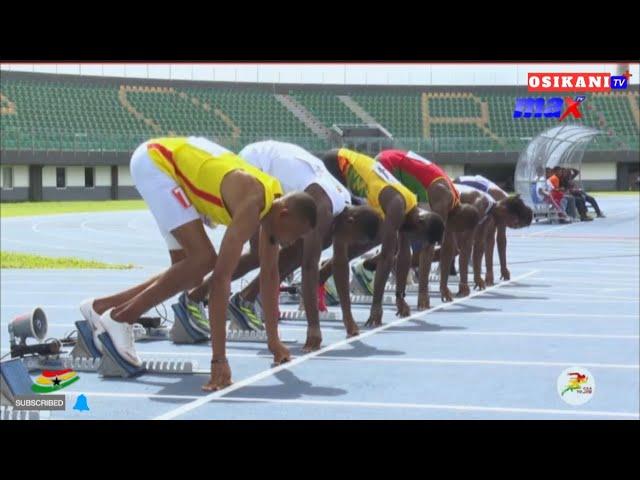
{"x": 68, "y": 137}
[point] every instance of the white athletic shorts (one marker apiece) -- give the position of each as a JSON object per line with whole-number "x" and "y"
{"x": 167, "y": 201}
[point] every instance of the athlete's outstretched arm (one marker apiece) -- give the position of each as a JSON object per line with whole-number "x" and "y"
{"x": 340, "y": 262}
{"x": 501, "y": 240}
{"x": 402, "y": 271}
{"x": 465, "y": 243}
{"x": 479, "y": 247}
{"x": 270, "y": 292}
{"x": 311, "y": 251}
{"x": 245, "y": 221}
{"x": 488, "y": 256}
{"x": 394, "y": 216}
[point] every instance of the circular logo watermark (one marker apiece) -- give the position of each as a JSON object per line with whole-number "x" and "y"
{"x": 576, "y": 385}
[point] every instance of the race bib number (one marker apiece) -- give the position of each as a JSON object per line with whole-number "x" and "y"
{"x": 384, "y": 174}
{"x": 181, "y": 197}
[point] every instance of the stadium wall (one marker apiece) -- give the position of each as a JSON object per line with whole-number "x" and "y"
{"x": 601, "y": 170}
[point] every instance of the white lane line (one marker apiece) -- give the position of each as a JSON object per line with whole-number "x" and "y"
{"x": 388, "y": 405}
{"x": 64, "y": 283}
{"x": 131, "y": 395}
{"x": 565, "y": 281}
{"x": 550, "y": 300}
{"x": 555, "y": 293}
{"x": 390, "y": 359}
{"x": 608, "y": 316}
{"x": 76, "y": 249}
{"x": 417, "y": 360}
{"x": 296, "y": 361}
{"x": 593, "y": 270}
{"x": 555, "y": 228}
{"x": 631, "y": 265}
{"x": 427, "y": 406}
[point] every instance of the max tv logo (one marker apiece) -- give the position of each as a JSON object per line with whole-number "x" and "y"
{"x": 548, "y": 108}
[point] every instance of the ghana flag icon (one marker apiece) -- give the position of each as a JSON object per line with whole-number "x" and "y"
{"x": 52, "y": 380}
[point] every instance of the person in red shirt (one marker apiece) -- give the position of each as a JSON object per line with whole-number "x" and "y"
{"x": 430, "y": 183}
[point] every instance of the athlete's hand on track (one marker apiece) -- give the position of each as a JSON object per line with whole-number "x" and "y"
{"x": 463, "y": 290}
{"x": 505, "y": 274}
{"x": 445, "y": 294}
{"x": 479, "y": 283}
{"x": 220, "y": 376}
{"x": 351, "y": 327}
{"x": 402, "y": 308}
{"x": 314, "y": 339}
{"x": 423, "y": 301}
{"x": 280, "y": 352}
{"x": 488, "y": 279}
{"x": 375, "y": 318}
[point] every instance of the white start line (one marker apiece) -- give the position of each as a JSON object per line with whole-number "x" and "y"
{"x": 170, "y": 415}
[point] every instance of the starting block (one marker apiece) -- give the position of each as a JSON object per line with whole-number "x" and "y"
{"x": 247, "y": 336}
{"x": 9, "y": 413}
{"x": 260, "y": 336}
{"x": 113, "y": 365}
{"x": 85, "y": 357}
{"x": 391, "y": 288}
{"x": 356, "y": 288}
{"x": 143, "y": 334}
{"x": 358, "y": 298}
{"x": 85, "y": 347}
{"x": 183, "y": 332}
{"x": 301, "y": 315}
{"x": 367, "y": 299}
{"x": 15, "y": 381}
{"x": 289, "y": 298}
{"x": 79, "y": 364}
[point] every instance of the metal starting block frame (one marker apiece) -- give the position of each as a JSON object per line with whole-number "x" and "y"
{"x": 356, "y": 298}
{"x": 113, "y": 365}
{"x": 79, "y": 364}
{"x": 143, "y": 334}
{"x": 391, "y": 288}
{"x": 15, "y": 381}
{"x": 85, "y": 347}
{"x": 85, "y": 357}
{"x": 367, "y": 299}
{"x": 183, "y": 333}
{"x": 301, "y": 315}
{"x": 287, "y": 298}
{"x": 7, "y": 412}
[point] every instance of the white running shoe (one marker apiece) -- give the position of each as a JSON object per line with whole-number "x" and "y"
{"x": 122, "y": 336}
{"x": 93, "y": 317}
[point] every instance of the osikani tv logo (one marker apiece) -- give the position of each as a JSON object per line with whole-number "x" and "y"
{"x": 577, "y": 82}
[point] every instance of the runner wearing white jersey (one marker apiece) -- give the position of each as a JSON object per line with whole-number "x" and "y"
{"x": 516, "y": 215}
{"x": 338, "y": 223}
{"x": 508, "y": 211}
{"x": 481, "y": 183}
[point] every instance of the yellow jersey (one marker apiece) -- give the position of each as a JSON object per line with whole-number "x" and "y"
{"x": 366, "y": 178}
{"x": 200, "y": 174}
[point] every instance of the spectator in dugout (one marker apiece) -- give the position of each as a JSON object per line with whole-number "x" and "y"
{"x": 543, "y": 191}
{"x": 559, "y": 196}
{"x": 568, "y": 179}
